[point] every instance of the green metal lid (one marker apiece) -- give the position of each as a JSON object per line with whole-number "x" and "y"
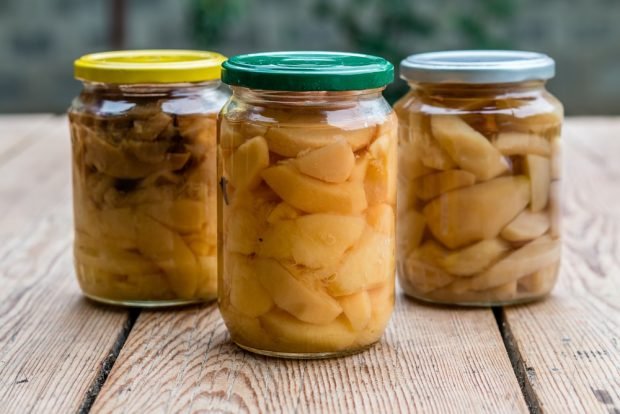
{"x": 307, "y": 71}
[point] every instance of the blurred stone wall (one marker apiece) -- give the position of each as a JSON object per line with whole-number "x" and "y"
{"x": 40, "y": 38}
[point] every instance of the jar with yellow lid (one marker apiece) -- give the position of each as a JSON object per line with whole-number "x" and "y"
{"x": 143, "y": 134}
{"x": 307, "y": 163}
{"x": 479, "y": 178}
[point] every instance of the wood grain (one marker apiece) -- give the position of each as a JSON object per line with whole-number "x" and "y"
{"x": 17, "y": 133}
{"x": 568, "y": 347}
{"x": 432, "y": 359}
{"x": 53, "y": 343}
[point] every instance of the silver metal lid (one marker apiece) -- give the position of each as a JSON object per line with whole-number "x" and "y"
{"x": 477, "y": 66}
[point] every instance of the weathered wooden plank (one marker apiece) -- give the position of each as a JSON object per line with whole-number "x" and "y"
{"x": 53, "y": 343}
{"x": 17, "y": 132}
{"x": 432, "y": 359}
{"x": 567, "y": 348}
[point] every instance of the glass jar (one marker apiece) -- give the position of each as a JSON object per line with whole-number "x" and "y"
{"x": 307, "y": 160}
{"x": 143, "y": 134}
{"x": 479, "y": 153}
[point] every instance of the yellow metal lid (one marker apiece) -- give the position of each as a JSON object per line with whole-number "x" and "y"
{"x": 149, "y": 66}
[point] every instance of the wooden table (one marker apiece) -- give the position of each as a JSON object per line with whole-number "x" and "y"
{"x": 60, "y": 353}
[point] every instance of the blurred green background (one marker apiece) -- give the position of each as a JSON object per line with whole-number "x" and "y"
{"x": 39, "y": 39}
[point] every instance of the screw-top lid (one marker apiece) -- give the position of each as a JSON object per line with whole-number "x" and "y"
{"x": 477, "y": 66}
{"x": 307, "y": 71}
{"x": 149, "y": 66}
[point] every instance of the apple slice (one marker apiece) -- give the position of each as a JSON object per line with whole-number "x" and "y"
{"x": 381, "y": 173}
{"x": 530, "y": 258}
{"x": 410, "y": 164}
{"x": 477, "y": 212}
{"x": 168, "y": 250}
{"x": 289, "y": 140}
{"x": 292, "y": 335}
{"x": 369, "y": 263}
{"x": 556, "y": 158}
{"x": 541, "y": 281}
{"x": 539, "y": 170}
{"x": 247, "y": 295}
{"x": 247, "y": 162}
{"x": 308, "y": 304}
{"x": 381, "y": 218}
{"x": 432, "y": 185}
{"x": 357, "y": 308}
{"x": 411, "y": 225}
{"x": 313, "y": 240}
{"x": 467, "y": 147}
{"x": 517, "y": 143}
{"x": 283, "y": 211}
{"x": 475, "y": 258}
{"x": 312, "y": 195}
{"x": 332, "y": 163}
{"x": 182, "y": 215}
{"x": 526, "y": 226}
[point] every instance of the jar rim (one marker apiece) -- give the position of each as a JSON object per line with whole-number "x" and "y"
{"x": 477, "y": 67}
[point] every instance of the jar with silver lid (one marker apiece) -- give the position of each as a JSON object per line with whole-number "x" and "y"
{"x": 479, "y": 177}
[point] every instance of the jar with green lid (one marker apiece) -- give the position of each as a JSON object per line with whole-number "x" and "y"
{"x": 143, "y": 134}
{"x": 479, "y": 178}
{"x": 307, "y": 167}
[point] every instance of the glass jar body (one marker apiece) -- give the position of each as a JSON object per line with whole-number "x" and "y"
{"x": 307, "y": 220}
{"x": 144, "y": 188}
{"x": 479, "y": 185}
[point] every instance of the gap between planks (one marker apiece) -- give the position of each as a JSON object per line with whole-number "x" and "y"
{"x": 518, "y": 365}
{"x": 108, "y": 363}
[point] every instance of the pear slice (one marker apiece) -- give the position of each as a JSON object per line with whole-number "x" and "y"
{"x": 475, "y": 258}
{"x": 304, "y": 302}
{"x": 292, "y": 335}
{"x": 247, "y": 295}
{"x": 357, "y": 308}
{"x": 477, "y": 212}
{"x": 290, "y": 140}
{"x": 381, "y": 218}
{"x": 369, "y": 263}
{"x": 247, "y": 162}
{"x": 526, "y": 226}
{"x": 169, "y": 251}
{"x": 541, "y": 281}
{"x": 313, "y": 240}
{"x": 312, "y": 195}
{"x": 530, "y": 258}
{"x": 332, "y": 163}
{"x": 432, "y": 185}
{"x": 539, "y": 170}
{"x": 411, "y": 225}
{"x": 517, "y": 143}
{"x": 467, "y": 147}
